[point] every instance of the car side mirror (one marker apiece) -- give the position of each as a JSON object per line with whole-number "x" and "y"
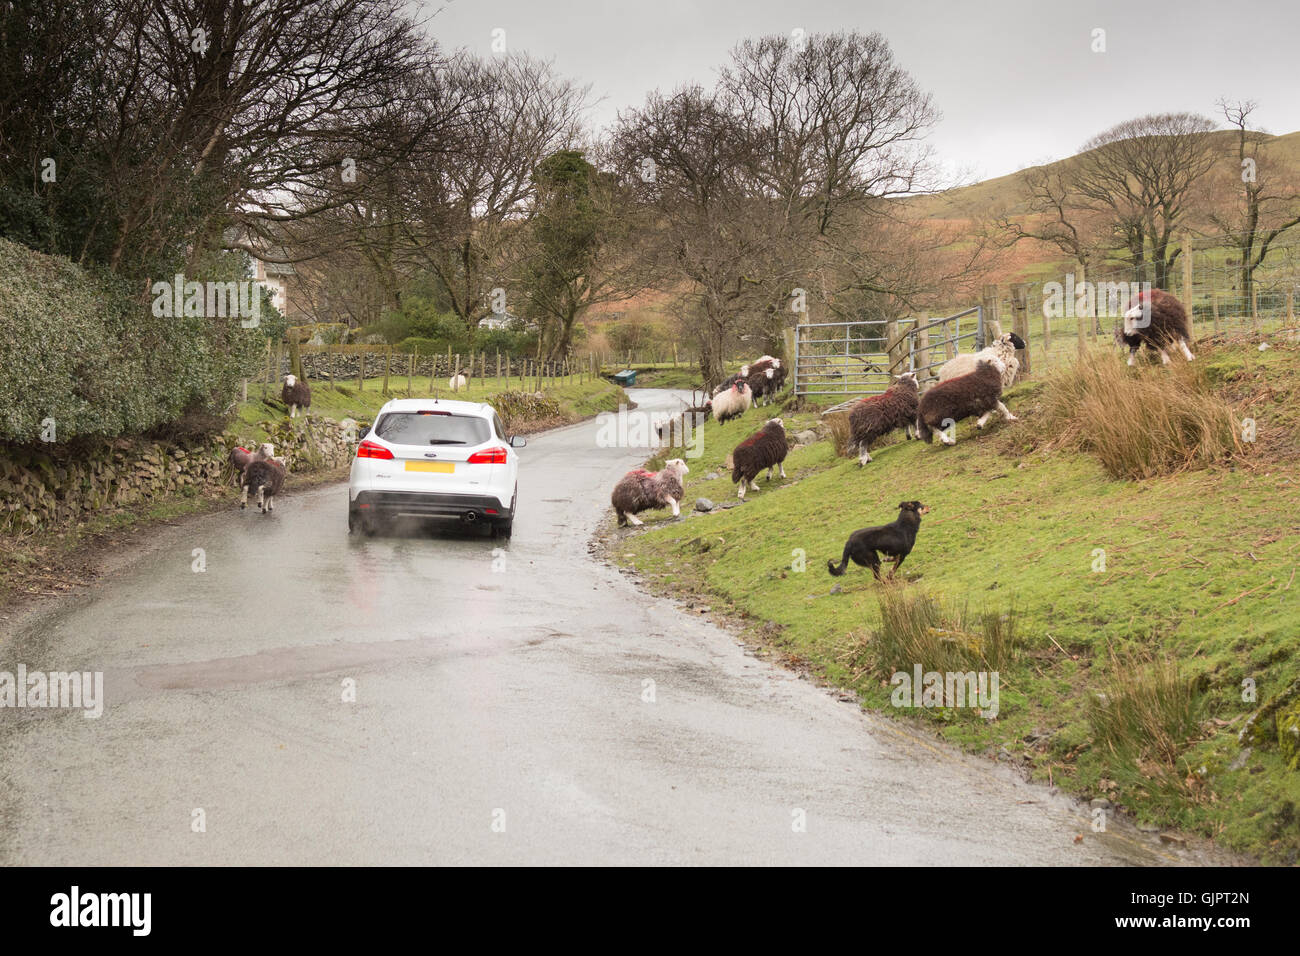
{"x": 518, "y": 441}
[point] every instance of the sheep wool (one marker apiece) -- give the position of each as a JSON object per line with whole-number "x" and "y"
{"x": 979, "y": 393}
{"x": 877, "y": 415}
{"x": 642, "y": 490}
{"x": 766, "y": 448}
{"x": 295, "y": 394}
{"x": 1157, "y": 320}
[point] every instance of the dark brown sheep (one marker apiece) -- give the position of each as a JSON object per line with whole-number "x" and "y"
{"x": 766, "y": 448}
{"x": 1165, "y": 324}
{"x": 296, "y": 395}
{"x": 265, "y": 477}
{"x": 878, "y": 415}
{"x": 944, "y": 404}
{"x": 641, "y": 490}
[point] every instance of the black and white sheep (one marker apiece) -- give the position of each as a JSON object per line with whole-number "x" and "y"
{"x": 732, "y": 403}
{"x": 877, "y": 415}
{"x": 641, "y": 490}
{"x": 1003, "y": 348}
{"x": 457, "y": 382}
{"x": 1157, "y": 320}
{"x": 295, "y": 394}
{"x": 264, "y": 477}
{"x": 946, "y": 403}
{"x": 766, "y": 448}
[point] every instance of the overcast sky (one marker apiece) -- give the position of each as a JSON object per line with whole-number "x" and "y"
{"x": 1016, "y": 80}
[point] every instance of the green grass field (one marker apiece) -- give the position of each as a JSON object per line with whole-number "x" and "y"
{"x": 578, "y": 397}
{"x": 1199, "y": 567}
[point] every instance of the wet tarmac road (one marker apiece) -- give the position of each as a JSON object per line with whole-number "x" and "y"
{"x": 499, "y": 713}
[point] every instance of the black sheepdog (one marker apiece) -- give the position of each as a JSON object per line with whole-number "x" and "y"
{"x": 894, "y": 540}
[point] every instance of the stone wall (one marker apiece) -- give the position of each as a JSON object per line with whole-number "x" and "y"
{"x": 317, "y": 366}
{"x": 51, "y": 488}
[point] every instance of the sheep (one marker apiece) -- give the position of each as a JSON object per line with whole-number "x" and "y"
{"x": 766, "y": 448}
{"x": 749, "y": 370}
{"x": 732, "y": 403}
{"x": 877, "y": 415}
{"x": 265, "y": 476}
{"x": 641, "y": 490}
{"x": 296, "y": 395}
{"x": 1004, "y": 349}
{"x": 241, "y": 457}
{"x": 457, "y": 382}
{"x": 1155, "y": 319}
{"x": 760, "y": 383}
{"x": 978, "y": 393}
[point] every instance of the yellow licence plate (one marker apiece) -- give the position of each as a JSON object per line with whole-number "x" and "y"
{"x": 446, "y": 467}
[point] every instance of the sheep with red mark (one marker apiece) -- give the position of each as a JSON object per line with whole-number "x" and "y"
{"x": 1157, "y": 320}
{"x": 732, "y": 403}
{"x": 641, "y": 490}
{"x": 946, "y": 403}
{"x": 877, "y": 415}
{"x": 766, "y": 448}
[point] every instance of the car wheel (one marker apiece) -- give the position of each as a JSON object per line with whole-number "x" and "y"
{"x": 502, "y": 528}
{"x": 352, "y": 521}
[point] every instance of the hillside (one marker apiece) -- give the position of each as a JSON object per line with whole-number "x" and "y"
{"x": 1195, "y": 593}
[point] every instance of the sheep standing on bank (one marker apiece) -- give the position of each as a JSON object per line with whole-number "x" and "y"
{"x": 877, "y": 415}
{"x": 766, "y": 448}
{"x": 1003, "y": 349}
{"x": 946, "y": 403}
{"x": 296, "y": 395}
{"x": 264, "y": 477}
{"x": 1157, "y": 320}
{"x": 457, "y": 382}
{"x": 732, "y": 403}
{"x": 641, "y": 490}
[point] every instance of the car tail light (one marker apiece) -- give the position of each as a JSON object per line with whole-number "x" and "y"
{"x": 368, "y": 449}
{"x": 489, "y": 456}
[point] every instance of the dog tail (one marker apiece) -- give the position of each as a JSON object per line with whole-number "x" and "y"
{"x": 844, "y": 563}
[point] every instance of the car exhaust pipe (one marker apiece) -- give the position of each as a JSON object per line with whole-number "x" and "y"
{"x": 469, "y": 517}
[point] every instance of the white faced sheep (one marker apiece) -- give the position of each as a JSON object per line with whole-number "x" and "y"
{"x": 296, "y": 395}
{"x": 877, "y": 415}
{"x": 641, "y": 490}
{"x": 1156, "y": 320}
{"x": 766, "y": 448}
{"x": 946, "y": 403}
{"x": 1003, "y": 349}
{"x": 264, "y": 477}
{"x": 732, "y": 403}
{"x": 457, "y": 382}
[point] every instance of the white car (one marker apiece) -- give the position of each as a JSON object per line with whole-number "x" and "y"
{"x": 434, "y": 458}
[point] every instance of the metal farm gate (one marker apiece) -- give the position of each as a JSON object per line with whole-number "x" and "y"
{"x": 852, "y": 359}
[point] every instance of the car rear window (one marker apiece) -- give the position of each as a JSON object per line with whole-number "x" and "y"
{"x": 414, "y": 428}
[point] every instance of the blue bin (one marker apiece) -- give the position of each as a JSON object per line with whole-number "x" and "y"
{"x": 626, "y": 378}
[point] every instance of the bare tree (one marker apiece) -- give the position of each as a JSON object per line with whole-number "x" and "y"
{"x": 1264, "y": 191}
{"x": 1142, "y": 176}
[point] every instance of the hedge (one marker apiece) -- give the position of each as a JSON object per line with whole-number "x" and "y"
{"x": 87, "y": 352}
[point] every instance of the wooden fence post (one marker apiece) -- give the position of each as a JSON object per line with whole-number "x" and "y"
{"x": 1254, "y": 306}
{"x": 1214, "y": 309}
{"x": 388, "y": 362}
{"x": 410, "y": 376}
{"x": 1188, "y": 286}
{"x": 1290, "y": 308}
{"x": 923, "y": 348}
{"x": 1020, "y": 324}
{"x": 361, "y": 372}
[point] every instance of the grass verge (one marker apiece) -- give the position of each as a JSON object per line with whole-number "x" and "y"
{"x": 1108, "y": 579}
